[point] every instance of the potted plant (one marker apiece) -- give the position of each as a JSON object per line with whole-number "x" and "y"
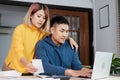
{"x": 115, "y": 66}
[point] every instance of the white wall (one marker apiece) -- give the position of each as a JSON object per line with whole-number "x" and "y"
{"x": 76, "y": 3}
{"x": 105, "y": 39}
{"x": 10, "y": 16}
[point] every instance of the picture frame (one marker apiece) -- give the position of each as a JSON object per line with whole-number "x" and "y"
{"x": 104, "y": 17}
{"x": 0, "y": 18}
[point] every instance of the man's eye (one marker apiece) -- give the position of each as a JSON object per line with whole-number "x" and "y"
{"x": 61, "y": 31}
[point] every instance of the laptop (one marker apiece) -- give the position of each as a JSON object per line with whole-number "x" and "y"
{"x": 102, "y": 65}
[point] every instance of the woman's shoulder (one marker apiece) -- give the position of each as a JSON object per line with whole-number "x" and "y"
{"x": 45, "y": 32}
{"x": 21, "y": 27}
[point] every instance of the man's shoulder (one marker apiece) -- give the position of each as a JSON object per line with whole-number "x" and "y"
{"x": 68, "y": 46}
{"x": 41, "y": 41}
{"x": 43, "y": 44}
{"x": 66, "y": 43}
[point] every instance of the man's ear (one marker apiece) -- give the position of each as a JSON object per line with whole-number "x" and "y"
{"x": 52, "y": 29}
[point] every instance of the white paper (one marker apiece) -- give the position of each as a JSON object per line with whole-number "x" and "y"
{"x": 10, "y": 73}
{"x": 38, "y": 64}
{"x": 25, "y": 78}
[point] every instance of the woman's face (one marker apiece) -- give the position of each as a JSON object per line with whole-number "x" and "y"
{"x": 38, "y": 18}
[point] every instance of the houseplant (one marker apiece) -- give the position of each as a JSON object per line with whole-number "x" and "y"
{"x": 115, "y": 66}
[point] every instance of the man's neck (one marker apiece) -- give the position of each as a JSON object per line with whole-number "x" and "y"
{"x": 55, "y": 42}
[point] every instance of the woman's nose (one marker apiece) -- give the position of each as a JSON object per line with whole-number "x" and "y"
{"x": 41, "y": 19}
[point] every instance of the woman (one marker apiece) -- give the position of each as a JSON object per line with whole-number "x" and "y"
{"x": 25, "y": 36}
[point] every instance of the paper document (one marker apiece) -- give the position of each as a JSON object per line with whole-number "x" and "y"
{"x": 38, "y": 64}
{"x": 25, "y": 78}
{"x": 10, "y": 73}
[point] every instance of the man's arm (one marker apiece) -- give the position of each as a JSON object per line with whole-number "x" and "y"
{"x": 76, "y": 64}
{"x": 50, "y": 69}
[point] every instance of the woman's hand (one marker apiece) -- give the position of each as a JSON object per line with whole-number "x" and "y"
{"x": 73, "y": 44}
{"x": 31, "y": 68}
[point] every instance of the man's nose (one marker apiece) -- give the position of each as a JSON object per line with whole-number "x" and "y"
{"x": 65, "y": 34}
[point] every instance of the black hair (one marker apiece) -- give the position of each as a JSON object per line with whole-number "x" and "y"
{"x": 58, "y": 20}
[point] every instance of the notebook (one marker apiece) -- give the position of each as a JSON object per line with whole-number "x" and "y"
{"x": 102, "y": 65}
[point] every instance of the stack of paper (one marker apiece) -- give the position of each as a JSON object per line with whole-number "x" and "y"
{"x": 9, "y": 73}
{"x": 38, "y": 64}
{"x": 26, "y": 78}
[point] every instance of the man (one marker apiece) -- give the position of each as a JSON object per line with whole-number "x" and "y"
{"x": 57, "y": 56}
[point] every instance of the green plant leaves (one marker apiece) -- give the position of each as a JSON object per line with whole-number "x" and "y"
{"x": 115, "y": 66}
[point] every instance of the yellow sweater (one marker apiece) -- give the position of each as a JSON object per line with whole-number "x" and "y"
{"x": 23, "y": 44}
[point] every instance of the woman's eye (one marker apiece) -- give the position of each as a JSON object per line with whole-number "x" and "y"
{"x": 44, "y": 18}
{"x": 38, "y": 16}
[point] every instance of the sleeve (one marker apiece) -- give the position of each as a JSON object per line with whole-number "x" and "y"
{"x": 17, "y": 43}
{"x": 76, "y": 64}
{"x": 50, "y": 69}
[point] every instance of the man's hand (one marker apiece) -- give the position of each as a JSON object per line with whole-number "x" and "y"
{"x": 76, "y": 73}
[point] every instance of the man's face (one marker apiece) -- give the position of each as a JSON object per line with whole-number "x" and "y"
{"x": 59, "y": 33}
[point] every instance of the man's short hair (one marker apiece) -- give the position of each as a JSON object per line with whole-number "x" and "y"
{"x": 58, "y": 20}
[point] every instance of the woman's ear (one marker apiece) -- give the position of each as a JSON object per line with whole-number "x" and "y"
{"x": 31, "y": 16}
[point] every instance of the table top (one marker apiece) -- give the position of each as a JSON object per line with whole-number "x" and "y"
{"x": 36, "y": 78}
{"x": 109, "y": 78}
